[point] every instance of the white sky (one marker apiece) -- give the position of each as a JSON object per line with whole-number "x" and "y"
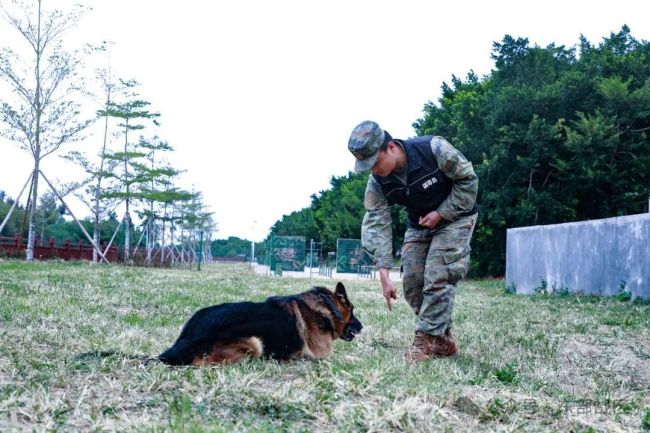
{"x": 259, "y": 97}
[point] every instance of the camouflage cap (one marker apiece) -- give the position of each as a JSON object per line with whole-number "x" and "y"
{"x": 364, "y": 143}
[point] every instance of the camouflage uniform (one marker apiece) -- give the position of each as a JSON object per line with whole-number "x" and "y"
{"x": 434, "y": 260}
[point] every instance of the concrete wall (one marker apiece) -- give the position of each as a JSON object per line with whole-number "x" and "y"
{"x": 591, "y": 257}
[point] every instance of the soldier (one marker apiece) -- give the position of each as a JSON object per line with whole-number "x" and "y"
{"x": 437, "y": 186}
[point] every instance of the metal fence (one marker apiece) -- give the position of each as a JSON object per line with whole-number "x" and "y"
{"x": 313, "y": 254}
{"x": 327, "y": 265}
{"x": 350, "y": 256}
{"x": 287, "y": 253}
{"x": 15, "y": 247}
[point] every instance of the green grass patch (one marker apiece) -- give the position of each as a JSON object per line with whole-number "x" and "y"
{"x": 507, "y": 374}
{"x": 645, "y": 421}
{"x": 521, "y": 358}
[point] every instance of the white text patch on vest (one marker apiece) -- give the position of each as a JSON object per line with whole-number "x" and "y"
{"x": 429, "y": 182}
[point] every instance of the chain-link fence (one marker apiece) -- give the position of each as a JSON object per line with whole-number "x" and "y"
{"x": 287, "y": 253}
{"x": 327, "y": 265}
{"x": 313, "y": 254}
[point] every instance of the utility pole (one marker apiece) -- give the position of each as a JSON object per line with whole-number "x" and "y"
{"x": 253, "y": 247}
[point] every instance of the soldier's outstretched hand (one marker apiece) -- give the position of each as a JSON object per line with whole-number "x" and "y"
{"x": 390, "y": 292}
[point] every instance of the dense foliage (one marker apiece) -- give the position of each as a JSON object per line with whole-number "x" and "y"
{"x": 555, "y": 134}
{"x": 231, "y": 247}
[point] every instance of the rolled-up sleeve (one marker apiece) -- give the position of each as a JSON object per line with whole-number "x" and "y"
{"x": 464, "y": 180}
{"x": 376, "y": 229}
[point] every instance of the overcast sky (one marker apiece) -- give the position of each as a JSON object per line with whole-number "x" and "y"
{"x": 259, "y": 97}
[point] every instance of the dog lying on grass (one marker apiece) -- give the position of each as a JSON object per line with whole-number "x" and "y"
{"x": 282, "y": 328}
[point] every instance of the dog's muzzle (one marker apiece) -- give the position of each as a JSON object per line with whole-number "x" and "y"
{"x": 352, "y": 330}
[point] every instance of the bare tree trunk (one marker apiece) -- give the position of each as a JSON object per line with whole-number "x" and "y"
{"x": 150, "y": 235}
{"x": 127, "y": 216}
{"x": 171, "y": 241}
{"x": 192, "y": 244}
{"x": 99, "y": 186}
{"x": 162, "y": 236}
{"x": 127, "y": 233}
{"x": 29, "y": 254}
{"x": 95, "y": 237}
{"x": 148, "y": 246}
{"x": 182, "y": 239}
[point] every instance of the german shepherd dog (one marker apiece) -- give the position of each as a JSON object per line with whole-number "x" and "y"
{"x": 282, "y": 328}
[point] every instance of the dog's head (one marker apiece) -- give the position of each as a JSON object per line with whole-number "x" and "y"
{"x": 352, "y": 326}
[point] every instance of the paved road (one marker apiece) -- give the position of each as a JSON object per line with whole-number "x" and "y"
{"x": 264, "y": 270}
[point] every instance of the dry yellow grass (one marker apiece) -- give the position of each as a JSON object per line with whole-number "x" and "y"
{"x": 537, "y": 363}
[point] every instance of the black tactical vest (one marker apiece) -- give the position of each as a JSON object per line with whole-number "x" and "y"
{"x": 426, "y": 186}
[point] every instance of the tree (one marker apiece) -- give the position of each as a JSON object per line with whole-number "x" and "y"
{"x": 44, "y": 114}
{"x": 157, "y": 190}
{"x": 231, "y": 247}
{"x": 50, "y": 211}
{"x": 99, "y": 210}
{"x": 195, "y": 222}
{"x": 92, "y": 194}
{"x": 131, "y": 112}
{"x": 12, "y": 228}
{"x": 554, "y": 136}
{"x": 298, "y": 223}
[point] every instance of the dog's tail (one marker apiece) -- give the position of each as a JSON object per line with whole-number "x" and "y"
{"x": 99, "y": 354}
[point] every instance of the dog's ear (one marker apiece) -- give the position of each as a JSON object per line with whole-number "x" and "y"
{"x": 327, "y": 300}
{"x": 341, "y": 293}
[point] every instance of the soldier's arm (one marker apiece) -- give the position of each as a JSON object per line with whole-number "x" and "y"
{"x": 376, "y": 230}
{"x": 464, "y": 181}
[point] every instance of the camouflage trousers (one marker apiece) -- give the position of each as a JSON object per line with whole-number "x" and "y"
{"x": 433, "y": 262}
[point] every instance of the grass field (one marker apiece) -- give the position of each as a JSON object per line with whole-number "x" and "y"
{"x": 527, "y": 363}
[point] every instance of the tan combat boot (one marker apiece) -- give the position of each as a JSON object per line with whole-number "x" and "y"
{"x": 444, "y": 346}
{"x": 421, "y": 349}
{"x": 426, "y": 346}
